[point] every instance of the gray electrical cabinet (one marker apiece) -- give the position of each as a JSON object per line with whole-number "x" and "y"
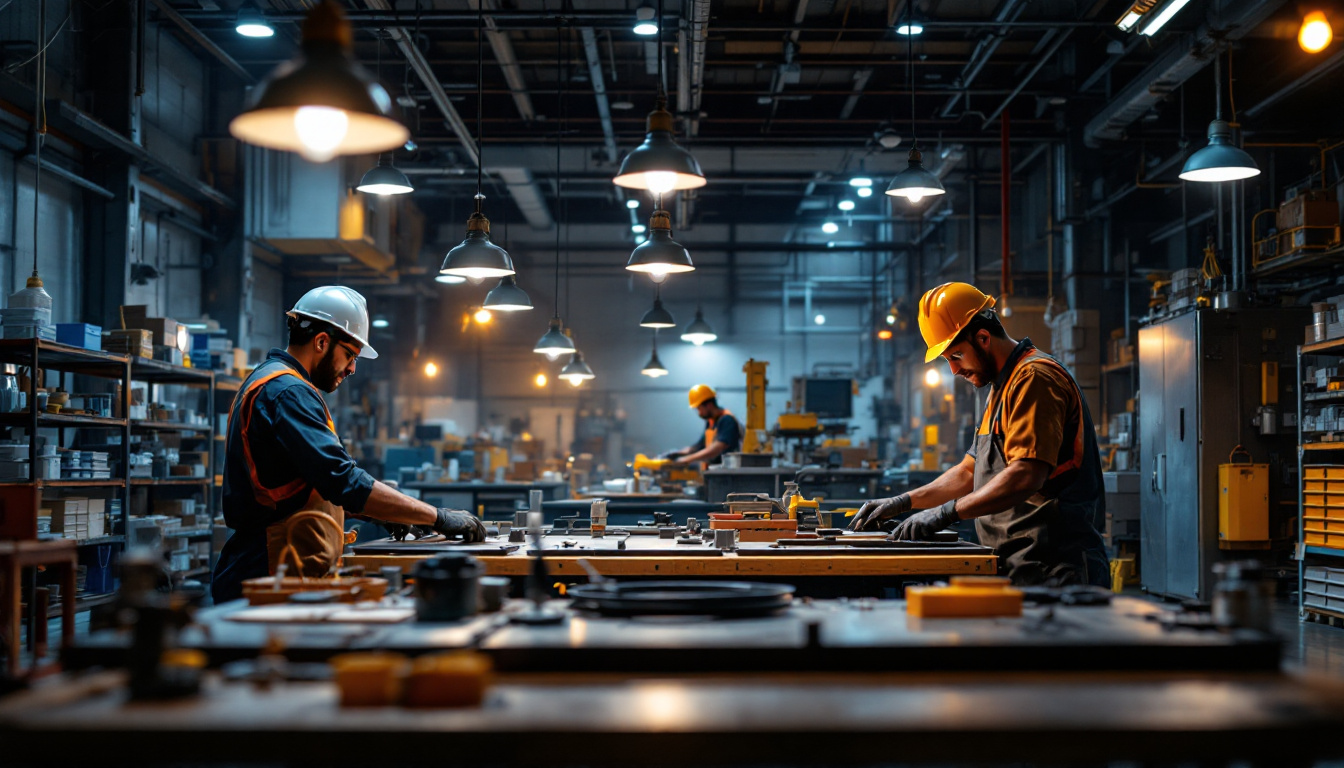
{"x": 1199, "y": 393}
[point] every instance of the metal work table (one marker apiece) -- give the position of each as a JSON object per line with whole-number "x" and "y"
{"x": 868, "y": 685}
{"x": 650, "y": 556}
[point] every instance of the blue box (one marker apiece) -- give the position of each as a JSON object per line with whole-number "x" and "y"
{"x": 81, "y": 335}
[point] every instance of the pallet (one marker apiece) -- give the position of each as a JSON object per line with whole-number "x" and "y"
{"x": 1319, "y": 616}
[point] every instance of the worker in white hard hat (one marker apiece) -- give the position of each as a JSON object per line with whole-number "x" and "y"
{"x": 723, "y": 433}
{"x": 288, "y": 481}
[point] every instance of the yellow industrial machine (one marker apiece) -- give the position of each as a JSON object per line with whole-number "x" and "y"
{"x": 755, "y": 439}
{"x": 665, "y": 473}
{"x": 1243, "y": 502}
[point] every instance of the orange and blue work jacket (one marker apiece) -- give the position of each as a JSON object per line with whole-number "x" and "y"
{"x": 281, "y": 448}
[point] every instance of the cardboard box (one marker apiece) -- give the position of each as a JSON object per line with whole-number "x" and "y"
{"x": 69, "y": 516}
{"x": 134, "y": 342}
{"x": 1314, "y": 208}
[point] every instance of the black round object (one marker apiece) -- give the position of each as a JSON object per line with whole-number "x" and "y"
{"x": 446, "y": 587}
{"x": 725, "y": 599}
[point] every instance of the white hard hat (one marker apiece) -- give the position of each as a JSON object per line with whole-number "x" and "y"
{"x": 342, "y": 307}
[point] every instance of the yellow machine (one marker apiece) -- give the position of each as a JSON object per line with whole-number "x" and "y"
{"x": 668, "y": 475}
{"x": 755, "y": 439}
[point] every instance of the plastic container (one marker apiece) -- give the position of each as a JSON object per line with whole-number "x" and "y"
{"x": 446, "y": 587}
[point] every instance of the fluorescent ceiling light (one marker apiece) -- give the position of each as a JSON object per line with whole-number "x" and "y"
{"x": 910, "y": 28}
{"x": 1161, "y": 18}
{"x": 860, "y": 181}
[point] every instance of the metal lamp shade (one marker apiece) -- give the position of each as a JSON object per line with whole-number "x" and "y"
{"x": 385, "y": 179}
{"x": 660, "y": 164}
{"x": 1221, "y": 160}
{"x": 660, "y": 255}
{"x": 476, "y": 258}
{"x": 554, "y": 343}
{"x": 507, "y": 297}
{"x": 915, "y": 182}
{"x": 658, "y": 317}
{"x": 322, "y": 90}
{"x": 698, "y": 331}
{"x": 576, "y": 371}
{"x": 654, "y": 368}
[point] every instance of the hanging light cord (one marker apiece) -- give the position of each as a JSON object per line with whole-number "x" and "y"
{"x": 480, "y": 90}
{"x": 39, "y": 121}
{"x": 910, "y": 69}
{"x": 662, "y": 92}
{"x": 559, "y": 112}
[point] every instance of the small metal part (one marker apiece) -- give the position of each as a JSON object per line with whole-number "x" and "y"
{"x": 567, "y": 543}
{"x": 517, "y": 535}
{"x": 493, "y": 591}
{"x": 667, "y": 532}
{"x": 725, "y": 539}
{"x": 692, "y": 525}
{"x": 393, "y": 575}
{"x": 687, "y": 538}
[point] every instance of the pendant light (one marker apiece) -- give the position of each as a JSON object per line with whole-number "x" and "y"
{"x": 476, "y": 258}
{"x": 660, "y": 255}
{"x": 914, "y": 183}
{"x": 660, "y": 164}
{"x": 698, "y": 331}
{"x": 250, "y": 23}
{"x": 554, "y": 342}
{"x": 1221, "y": 160}
{"x": 384, "y": 179}
{"x": 321, "y": 103}
{"x": 654, "y": 368}
{"x": 576, "y": 371}
{"x": 657, "y": 317}
{"x": 507, "y": 296}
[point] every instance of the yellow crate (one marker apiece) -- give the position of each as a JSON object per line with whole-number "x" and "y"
{"x": 1323, "y": 472}
{"x": 1324, "y": 539}
{"x": 1323, "y": 513}
{"x": 1319, "y": 525}
{"x": 1316, "y": 486}
{"x": 1313, "y": 472}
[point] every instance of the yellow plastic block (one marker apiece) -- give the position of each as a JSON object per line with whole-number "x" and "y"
{"x": 966, "y": 597}
{"x": 797, "y": 421}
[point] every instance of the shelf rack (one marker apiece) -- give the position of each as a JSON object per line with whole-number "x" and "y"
{"x": 1311, "y": 555}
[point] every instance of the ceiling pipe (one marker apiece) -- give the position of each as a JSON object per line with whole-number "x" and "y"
{"x": 689, "y": 102}
{"x": 1179, "y": 61}
{"x": 210, "y": 47}
{"x": 599, "y": 92}
{"x": 984, "y": 49}
{"x": 1047, "y": 56}
{"x": 526, "y": 196}
{"x": 1316, "y": 73}
{"x": 502, "y": 47}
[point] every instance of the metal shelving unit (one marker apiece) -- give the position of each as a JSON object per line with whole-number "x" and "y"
{"x": 1309, "y": 556}
{"x": 156, "y": 373}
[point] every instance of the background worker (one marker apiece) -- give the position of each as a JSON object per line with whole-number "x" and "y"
{"x": 1032, "y": 480}
{"x": 288, "y": 481}
{"x": 723, "y": 432}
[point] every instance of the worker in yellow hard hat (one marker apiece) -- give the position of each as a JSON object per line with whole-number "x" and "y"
{"x": 1032, "y": 480}
{"x": 723, "y": 433}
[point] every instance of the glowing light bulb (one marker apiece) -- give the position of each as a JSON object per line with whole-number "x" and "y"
{"x": 431, "y": 370}
{"x": 1316, "y": 33}
{"x": 698, "y": 342}
{"x": 658, "y": 276}
{"x": 914, "y": 197}
{"x": 553, "y": 356}
{"x": 660, "y": 182}
{"x": 820, "y": 319}
{"x": 632, "y": 204}
{"x": 540, "y": 380}
{"x": 321, "y": 130}
{"x": 575, "y": 381}
{"x": 865, "y": 192}
{"x": 638, "y": 229}
{"x": 932, "y": 377}
{"x": 830, "y": 227}
{"x": 846, "y": 205}
{"x": 483, "y": 316}
{"x": 891, "y": 319}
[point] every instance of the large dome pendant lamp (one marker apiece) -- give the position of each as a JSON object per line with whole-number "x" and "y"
{"x": 1222, "y": 159}
{"x": 660, "y": 165}
{"x": 476, "y": 258}
{"x": 914, "y": 183}
{"x": 321, "y": 103}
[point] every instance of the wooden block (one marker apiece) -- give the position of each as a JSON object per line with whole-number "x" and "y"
{"x": 743, "y": 525}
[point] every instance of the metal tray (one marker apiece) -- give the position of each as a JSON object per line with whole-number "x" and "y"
{"x": 725, "y": 599}
{"x": 433, "y": 544}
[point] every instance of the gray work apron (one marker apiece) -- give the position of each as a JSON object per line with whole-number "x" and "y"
{"x": 1042, "y": 541}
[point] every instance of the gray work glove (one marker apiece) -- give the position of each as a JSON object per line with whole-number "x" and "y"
{"x": 456, "y": 522}
{"x": 922, "y": 526}
{"x": 872, "y": 513}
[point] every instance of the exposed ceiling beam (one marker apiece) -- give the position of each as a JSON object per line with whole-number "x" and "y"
{"x": 596, "y": 77}
{"x": 206, "y": 43}
{"x": 502, "y": 47}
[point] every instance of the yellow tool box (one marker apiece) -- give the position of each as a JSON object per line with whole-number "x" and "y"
{"x": 1243, "y": 501}
{"x": 967, "y": 597}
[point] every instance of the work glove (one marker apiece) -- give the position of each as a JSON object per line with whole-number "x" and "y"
{"x": 873, "y": 512}
{"x": 922, "y": 526}
{"x": 399, "y": 531}
{"x": 455, "y": 522}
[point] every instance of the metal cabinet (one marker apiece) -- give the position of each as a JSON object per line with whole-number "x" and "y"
{"x": 1199, "y": 389}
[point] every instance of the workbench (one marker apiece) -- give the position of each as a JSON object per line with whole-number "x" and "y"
{"x": 838, "y": 572}
{"x": 826, "y": 683}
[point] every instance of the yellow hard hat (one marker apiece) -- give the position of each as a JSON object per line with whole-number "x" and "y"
{"x": 699, "y": 394}
{"x": 945, "y": 311}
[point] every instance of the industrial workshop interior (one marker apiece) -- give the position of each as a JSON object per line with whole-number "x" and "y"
{"x": 617, "y": 383}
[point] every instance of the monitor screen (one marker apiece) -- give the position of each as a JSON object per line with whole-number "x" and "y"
{"x": 429, "y": 432}
{"x": 829, "y": 398}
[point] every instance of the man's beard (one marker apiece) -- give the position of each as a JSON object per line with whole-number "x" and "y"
{"x": 325, "y": 375}
{"x": 988, "y": 370}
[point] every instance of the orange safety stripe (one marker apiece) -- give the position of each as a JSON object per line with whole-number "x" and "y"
{"x": 269, "y": 497}
{"x": 992, "y": 413}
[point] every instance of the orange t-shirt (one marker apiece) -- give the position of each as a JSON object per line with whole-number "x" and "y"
{"x": 1042, "y": 416}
